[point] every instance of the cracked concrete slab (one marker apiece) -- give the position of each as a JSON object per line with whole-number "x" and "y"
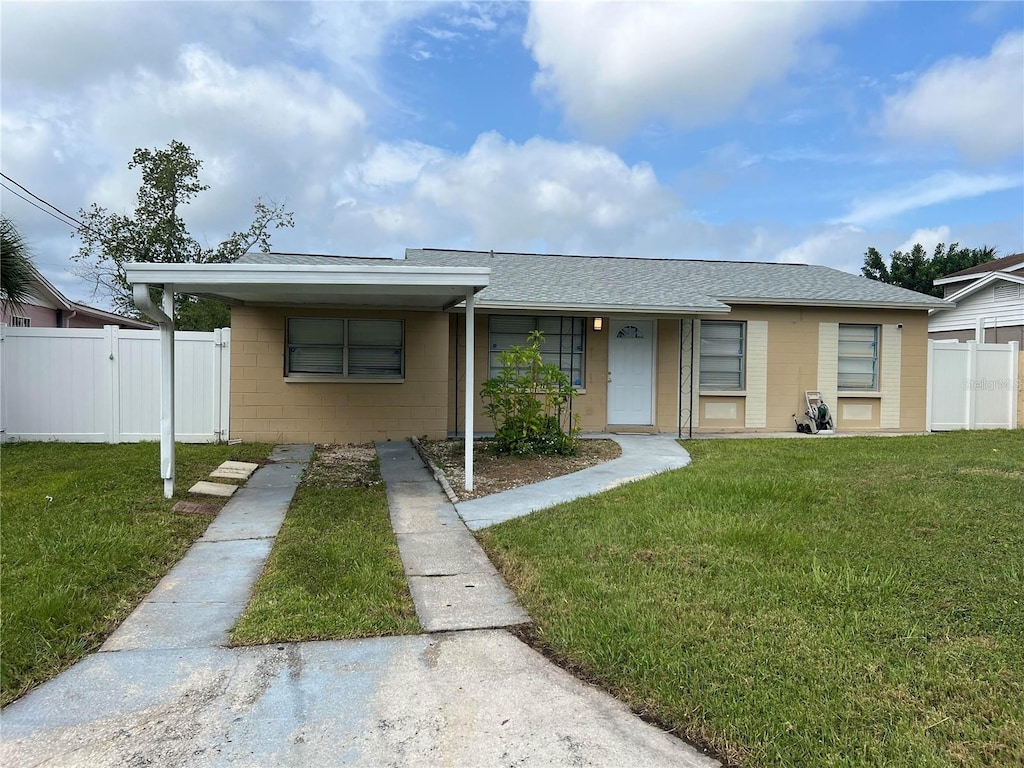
{"x": 477, "y": 699}
{"x": 453, "y": 584}
{"x": 252, "y": 513}
{"x": 441, "y": 553}
{"x": 299, "y": 453}
{"x": 465, "y": 601}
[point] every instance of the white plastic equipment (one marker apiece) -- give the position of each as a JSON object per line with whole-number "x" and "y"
{"x": 817, "y": 418}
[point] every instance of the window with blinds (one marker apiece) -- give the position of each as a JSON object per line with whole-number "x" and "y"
{"x": 345, "y": 348}
{"x": 722, "y": 355}
{"x": 564, "y": 343}
{"x": 858, "y": 357}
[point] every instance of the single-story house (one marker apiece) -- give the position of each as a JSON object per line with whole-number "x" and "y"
{"x": 344, "y": 349}
{"x": 989, "y": 298}
{"x": 661, "y": 345}
{"x": 47, "y": 307}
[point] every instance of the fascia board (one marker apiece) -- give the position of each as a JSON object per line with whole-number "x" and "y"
{"x": 838, "y": 303}
{"x": 224, "y": 275}
{"x": 602, "y": 309}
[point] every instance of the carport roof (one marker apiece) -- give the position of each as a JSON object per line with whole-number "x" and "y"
{"x": 345, "y": 284}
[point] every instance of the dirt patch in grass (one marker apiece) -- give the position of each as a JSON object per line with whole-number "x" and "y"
{"x": 494, "y": 474}
{"x": 344, "y": 466}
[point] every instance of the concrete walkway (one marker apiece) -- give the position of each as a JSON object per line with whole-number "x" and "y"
{"x": 642, "y": 456}
{"x": 200, "y": 599}
{"x": 453, "y": 584}
{"x": 164, "y": 691}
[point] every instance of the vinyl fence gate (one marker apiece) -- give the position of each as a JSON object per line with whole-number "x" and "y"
{"x": 972, "y": 385}
{"x": 102, "y": 385}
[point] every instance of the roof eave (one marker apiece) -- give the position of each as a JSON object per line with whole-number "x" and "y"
{"x": 978, "y": 275}
{"x": 302, "y": 274}
{"x": 602, "y": 309}
{"x": 935, "y": 304}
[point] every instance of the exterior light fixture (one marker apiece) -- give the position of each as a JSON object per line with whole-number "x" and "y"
{"x": 598, "y": 323}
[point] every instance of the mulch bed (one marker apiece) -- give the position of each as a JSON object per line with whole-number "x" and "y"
{"x": 493, "y": 473}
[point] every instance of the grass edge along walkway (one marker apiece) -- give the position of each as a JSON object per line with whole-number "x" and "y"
{"x": 86, "y": 535}
{"x": 854, "y": 602}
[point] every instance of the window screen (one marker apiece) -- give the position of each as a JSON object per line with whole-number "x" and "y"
{"x": 722, "y": 353}
{"x": 345, "y": 348}
{"x": 858, "y": 357}
{"x": 563, "y": 345}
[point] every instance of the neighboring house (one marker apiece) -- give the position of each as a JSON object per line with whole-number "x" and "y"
{"x": 991, "y": 294}
{"x": 655, "y": 345}
{"x": 49, "y": 308}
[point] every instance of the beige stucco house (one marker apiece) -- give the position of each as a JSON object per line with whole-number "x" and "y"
{"x": 653, "y": 345}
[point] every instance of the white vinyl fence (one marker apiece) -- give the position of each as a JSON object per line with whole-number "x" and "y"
{"x": 972, "y": 385}
{"x": 103, "y": 385}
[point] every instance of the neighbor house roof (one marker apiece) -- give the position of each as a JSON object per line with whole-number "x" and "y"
{"x": 1013, "y": 263}
{"x": 622, "y": 284}
{"x": 977, "y": 285}
{"x": 44, "y": 289}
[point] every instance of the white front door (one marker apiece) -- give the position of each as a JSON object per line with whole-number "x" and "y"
{"x": 630, "y": 372}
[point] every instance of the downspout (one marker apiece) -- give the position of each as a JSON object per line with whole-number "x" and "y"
{"x": 164, "y": 316}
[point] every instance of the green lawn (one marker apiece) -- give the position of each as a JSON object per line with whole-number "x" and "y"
{"x": 334, "y": 571}
{"x": 849, "y": 602}
{"x": 86, "y": 533}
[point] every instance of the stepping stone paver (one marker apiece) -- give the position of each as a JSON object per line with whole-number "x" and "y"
{"x": 213, "y": 489}
{"x": 235, "y": 470}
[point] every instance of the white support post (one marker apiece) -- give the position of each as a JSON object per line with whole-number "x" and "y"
{"x": 167, "y": 393}
{"x": 470, "y": 323}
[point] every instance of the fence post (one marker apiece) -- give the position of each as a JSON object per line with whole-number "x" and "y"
{"x": 929, "y": 386}
{"x": 225, "y": 386}
{"x": 113, "y": 381}
{"x": 3, "y": 400}
{"x": 1015, "y": 384}
{"x": 972, "y": 375}
{"x": 217, "y": 365}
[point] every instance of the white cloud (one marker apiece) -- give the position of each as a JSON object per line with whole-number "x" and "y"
{"x": 613, "y": 66}
{"x": 974, "y": 104}
{"x": 826, "y": 247}
{"x": 939, "y": 188}
{"x": 928, "y": 238}
{"x": 560, "y": 196}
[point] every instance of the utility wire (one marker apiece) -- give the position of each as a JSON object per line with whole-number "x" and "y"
{"x": 48, "y": 204}
{"x": 36, "y": 205}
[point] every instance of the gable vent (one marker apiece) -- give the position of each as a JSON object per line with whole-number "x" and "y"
{"x": 1006, "y": 291}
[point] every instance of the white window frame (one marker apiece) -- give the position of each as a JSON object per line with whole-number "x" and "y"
{"x": 344, "y": 344}
{"x": 741, "y": 355}
{"x": 577, "y": 381}
{"x": 18, "y": 321}
{"x": 875, "y": 347}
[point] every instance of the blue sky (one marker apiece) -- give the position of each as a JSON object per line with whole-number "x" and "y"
{"x": 765, "y": 131}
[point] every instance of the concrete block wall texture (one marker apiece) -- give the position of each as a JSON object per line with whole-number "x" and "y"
{"x": 800, "y": 358}
{"x": 266, "y": 406}
{"x": 784, "y": 356}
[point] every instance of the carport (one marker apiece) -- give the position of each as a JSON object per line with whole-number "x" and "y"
{"x": 354, "y": 287}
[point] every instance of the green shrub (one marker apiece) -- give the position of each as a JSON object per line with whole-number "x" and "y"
{"x": 529, "y": 403}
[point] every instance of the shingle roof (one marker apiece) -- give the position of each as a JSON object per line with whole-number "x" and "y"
{"x": 613, "y": 283}
{"x": 996, "y": 265}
